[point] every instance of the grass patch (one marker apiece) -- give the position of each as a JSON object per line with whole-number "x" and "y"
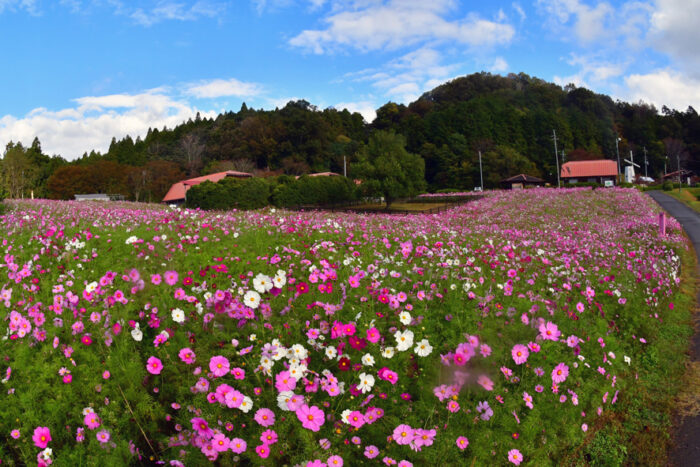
{"x": 668, "y": 383}
{"x": 688, "y": 196}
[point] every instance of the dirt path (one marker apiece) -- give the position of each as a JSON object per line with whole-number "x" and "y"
{"x": 686, "y": 439}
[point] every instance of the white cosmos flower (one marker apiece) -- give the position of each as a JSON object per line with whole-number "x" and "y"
{"x": 404, "y": 340}
{"x": 297, "y": 371}
{"x": 405, "y": 317}
{"x": 388, "y": 352}
{"x": 423, "y": 348}
{"x": 628, "y": 360}
{"x": 345, "y": 416}
{"x": 366, "y": 382}
{"x": 262, "y": 283}
{"x": 298, "y": 351}
{"x": 279, "y": 281}
{"x": 282, "y": 399}
{"x": 178, "y": 315}
{"x": 246, "y": 404}
{"x": 137, "y": 334}
{"x": 252, "y": 299}
{"x": 331, "y": 352}
{"x": 368, "y": 360}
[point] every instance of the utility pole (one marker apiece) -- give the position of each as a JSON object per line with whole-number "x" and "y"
{"x": 617, "y": 151}
{"x": 345, "y": 166}
{"x": 678, "y": 163}
{"x": 646, "y": 163}
{"x": 481, "y": 173}
{"x": 556, "y": 157}
{"x": 563, "y": 156}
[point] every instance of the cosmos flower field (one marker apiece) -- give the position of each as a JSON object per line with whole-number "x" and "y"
{"x": 497, "y": 333}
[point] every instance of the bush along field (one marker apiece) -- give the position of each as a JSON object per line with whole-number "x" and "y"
{"x": 510, "y": 330}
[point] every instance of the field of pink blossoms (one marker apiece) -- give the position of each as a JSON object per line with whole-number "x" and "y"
{"x": 501, "y": 332}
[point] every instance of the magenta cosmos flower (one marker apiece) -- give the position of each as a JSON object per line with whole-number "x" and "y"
{"x": 311, "y": 418}
{"x": 154, "y": 365}
{"x": 171, "y": 277}
{"x": 560, "y": 373}
{"x": 462, "y": 443}
{"x": 91, "y": 420}
{"x": 219, "y": 366}
{"x": 515, "y": 456}
{"x": 187, "y": 355}
{"x": 41, "y": 437}
{"x": 103, "y": 436}
{"x": 520, "y": 354}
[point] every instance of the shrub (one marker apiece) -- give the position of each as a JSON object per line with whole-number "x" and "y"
{"x": 667, "y": 185}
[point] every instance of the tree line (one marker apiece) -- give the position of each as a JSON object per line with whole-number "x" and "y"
{"x": 509, "y": 119}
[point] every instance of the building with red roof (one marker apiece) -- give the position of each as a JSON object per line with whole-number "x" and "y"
{"x": 595, "y": 171}
{"x": 177, "y": 193}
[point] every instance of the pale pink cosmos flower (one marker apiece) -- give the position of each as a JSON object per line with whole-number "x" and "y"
{"x": 285, "y": 382}
{"x": 238, "y": 446}
{"x": 403, "y": 434}
{"x": 265, "y": 417}
{"x": 520, "y": 354}
{"x": 91, "y": 420}
{"x": 515, "y": 456}
{"x": 171, "y": 277}
{"x": 549, "y": 331}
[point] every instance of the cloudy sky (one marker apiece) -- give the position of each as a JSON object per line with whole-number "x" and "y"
{"x": 77, "y": 72}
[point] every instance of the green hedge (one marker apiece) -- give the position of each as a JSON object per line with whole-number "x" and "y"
{"x": 282, "y": 191}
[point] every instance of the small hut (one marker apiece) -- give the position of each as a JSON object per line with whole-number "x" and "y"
{"x": 521, "y": 181}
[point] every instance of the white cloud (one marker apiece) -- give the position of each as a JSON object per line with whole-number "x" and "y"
{"x": 179, "y": 11}
{"x": 518, "y": 9}
{"x": 405, "y": 78}
{"x": 94, "y": 120}
{"x": 397, "y": 23}
{"x": 29, "y": 6}
{"x": 221, "y": 88}
{"x": 592, "y": 71}
{"x": 364, "y": 108}
{"x": 499, "y": 65}
{"x": 663, "y": 87}
{"x": 675, "y": 31}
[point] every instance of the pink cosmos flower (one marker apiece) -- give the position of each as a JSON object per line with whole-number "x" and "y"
{"x": 201, "y": 427}
{"x": 485, "y": 382}
{"x": 238, "y": 373}
{"x": 220, "y": 442}
{"x": 91, "y": 420}
{"x": 155, "y": 279}
{"x": 263, "y": 451}
{"x": 335, "y": 461}
{"x": 373, "y": 335}
{"x": 520, "y": 354}
{"x": 238, "y": 445}
{"x": 356, "y": 419}
{"x": 560, "y": 373}
{"x": 265, "y": 417}
{"x": 284, "y": 382}
{"x": 219, "y": 366}
{"x": 311, "y": 418}
{"x": 187, "y": 355}
{"x": 453, "y": 406}
{"x": 171, "y": 277}
{"x": 41, "y": 437}
{"x": 269, "y": 437}
{"x": 15, "y": 434}
{"x": 103, "y": 436}
{"x": 403, "y": 434}
{"x": 515, "y": 456}
{"x": 371, "y": 451}
{"x": 549, "y": 331}
{"x": 154, "y": 365}
{"x": 462, "y": 443}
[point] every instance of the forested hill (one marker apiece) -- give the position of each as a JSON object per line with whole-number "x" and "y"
{"x": 509, "y": 119}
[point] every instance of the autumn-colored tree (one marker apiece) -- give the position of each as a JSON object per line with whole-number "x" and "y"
{"x": 69, "y": 180}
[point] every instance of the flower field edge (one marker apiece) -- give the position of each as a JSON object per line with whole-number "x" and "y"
{"x": 406, "y": 294}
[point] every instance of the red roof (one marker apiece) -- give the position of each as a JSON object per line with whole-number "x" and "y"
{"x": 177, "y": 191}
{"x": 582, "y": 169}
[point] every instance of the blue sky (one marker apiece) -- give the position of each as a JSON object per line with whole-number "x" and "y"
{"x": 76, "y": 72}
